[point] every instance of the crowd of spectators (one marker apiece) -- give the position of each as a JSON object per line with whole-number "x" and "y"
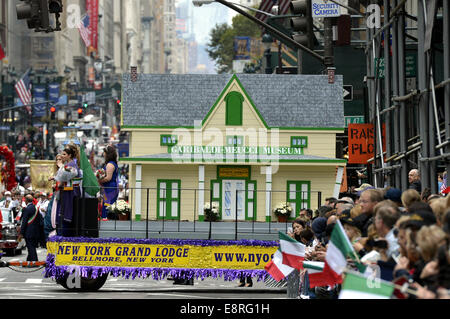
{"x": 406, "y": 234}
{"x": 29, "y": 146}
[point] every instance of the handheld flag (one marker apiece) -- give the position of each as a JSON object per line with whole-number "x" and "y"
{"x": 293, "y": 252}
{"x": 339, "y": 248}
{"x": 357, "y": 286}
{"x": 276, "y": 268}
{"x": 288, "y": 257}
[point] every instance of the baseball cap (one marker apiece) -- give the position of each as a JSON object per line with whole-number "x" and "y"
{"x": 347, "y": 200}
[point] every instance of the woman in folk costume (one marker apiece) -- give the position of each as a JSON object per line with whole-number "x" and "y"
{"x": 70, "y": 177}
{"x": 109, "y": 182}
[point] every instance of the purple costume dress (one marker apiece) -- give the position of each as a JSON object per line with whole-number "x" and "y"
{"x": 110, "y": 190}
{"x": 70, "y": 188}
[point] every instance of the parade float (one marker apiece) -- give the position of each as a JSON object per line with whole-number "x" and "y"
{"x": 85, "y": 263}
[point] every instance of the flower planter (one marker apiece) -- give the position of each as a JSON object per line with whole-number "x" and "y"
{"x": 124, "y": 217}
{"x": 282, "y": 218}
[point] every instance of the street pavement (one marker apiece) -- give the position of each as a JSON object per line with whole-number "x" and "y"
{"x": 26, "y": 283}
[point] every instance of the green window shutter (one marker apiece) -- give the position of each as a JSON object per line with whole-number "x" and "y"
{"x": 251, "y": 200}
{"x": 234, "y": 112}
{"x": 216, "y": 194}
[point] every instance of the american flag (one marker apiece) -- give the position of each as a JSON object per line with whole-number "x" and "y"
{"x": 283, "y": 6}
{"x": 83, "y": 27}
{"x": 23, "y": 89}
{"x": 267, "y": 5}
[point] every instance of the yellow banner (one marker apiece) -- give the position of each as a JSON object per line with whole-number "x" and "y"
{"x": 160, "y": 256}
{"x": 40, "y": 171}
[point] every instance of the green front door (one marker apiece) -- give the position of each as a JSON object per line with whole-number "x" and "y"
{"x": 169, "y": 199}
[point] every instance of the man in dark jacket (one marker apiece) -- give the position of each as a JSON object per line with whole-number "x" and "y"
{"x": 414, "y": 180}
{"x": 31, "y": 228}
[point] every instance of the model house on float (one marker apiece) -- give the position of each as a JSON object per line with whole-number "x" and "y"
{"x": 242, "y": 142}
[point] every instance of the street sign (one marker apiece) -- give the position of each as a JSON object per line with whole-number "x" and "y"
{"x": 348, "y": 92}
{"x": 358, "y": 119}
{"x": 410, "y": 66}
{"x": 325, "y": 9}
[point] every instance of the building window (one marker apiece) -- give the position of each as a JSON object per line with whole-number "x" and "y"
{"x": 235, "y": 141}
{"x": 168, "y": 140}
{"x": 298, "y": 196}
{"x": 234, "y": 101}
{"x": 299, "y": 141}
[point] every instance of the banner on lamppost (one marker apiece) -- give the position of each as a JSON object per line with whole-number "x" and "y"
{"x": 53, "y": 92}
{"x": 39, "y": 95}
{"x": 242, "y": 48}
{"x": 92, "y": 9}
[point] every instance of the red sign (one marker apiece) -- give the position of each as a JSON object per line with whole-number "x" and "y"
{"x": 361, "y": 142}
{"x": 92, "y": 10}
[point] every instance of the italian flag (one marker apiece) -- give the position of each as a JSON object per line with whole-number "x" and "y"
{"x": 293, "y": 251}
{"x": 276, "y": 268}
{"x": 288, "y": 257}
{"x": 357, "y": 286}
{"x": 317, "y": 277}
{"x": 339, "y": 248}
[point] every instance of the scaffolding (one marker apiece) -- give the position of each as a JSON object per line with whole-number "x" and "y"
{"x": 416, "y": 112}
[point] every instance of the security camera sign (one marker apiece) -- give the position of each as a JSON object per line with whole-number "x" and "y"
{"x": 325, "y": 9}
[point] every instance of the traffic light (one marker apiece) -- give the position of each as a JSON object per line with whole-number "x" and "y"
{"x": 119, "y": 103}
{"x": 80, "y": 113}
{"x": 303, "y": 24}
{"x": 55, "y": 6}
{"x": 52, "y": 113}
{"x": 85, "y": 105}
{"x": 36, "y": 13}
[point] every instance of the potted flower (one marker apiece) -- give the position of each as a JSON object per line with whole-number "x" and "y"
{"x": 211, "y": 213}
{"x": 120, "y": 210}
{"x": 282, "y": 211}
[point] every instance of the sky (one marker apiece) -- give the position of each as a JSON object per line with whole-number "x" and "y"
{"x": 206, "y": 17}
{"x": 202, "y": 20}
